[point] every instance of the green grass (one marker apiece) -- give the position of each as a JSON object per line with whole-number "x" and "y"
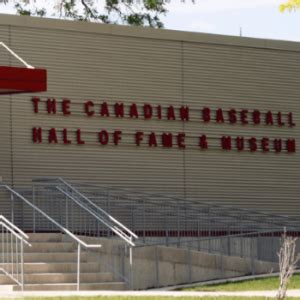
{"x": 268, "y": 284}
{"x": 151, "y": 298}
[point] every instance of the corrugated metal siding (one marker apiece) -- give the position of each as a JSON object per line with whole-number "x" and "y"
{"x": 5, "y": 130}
{"x": 101, "y": 67}
{"x": 243, "y": 78}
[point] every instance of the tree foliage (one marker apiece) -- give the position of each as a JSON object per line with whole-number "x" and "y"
{"x": 290, "y": 5}
{"x": 131, "y": 12}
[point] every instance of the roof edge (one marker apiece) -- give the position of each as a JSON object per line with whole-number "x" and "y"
{"x": 142, "y": 32}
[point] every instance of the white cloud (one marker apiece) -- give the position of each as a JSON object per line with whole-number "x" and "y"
{"x": 200, "y": 26}
{"x": 213, "y": 6}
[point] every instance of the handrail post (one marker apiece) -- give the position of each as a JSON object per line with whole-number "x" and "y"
{"x": 12, "y": 207}
{"x": 131, "y": 266}
{"x": 22, "y": 265}
{"x": 33, "y": 201}
{"x": 78, "y": 267}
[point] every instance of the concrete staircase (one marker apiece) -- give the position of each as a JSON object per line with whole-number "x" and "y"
{"x": 51, "y": 265}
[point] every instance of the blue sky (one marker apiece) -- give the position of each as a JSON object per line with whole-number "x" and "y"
{"x": 257, "y": 18}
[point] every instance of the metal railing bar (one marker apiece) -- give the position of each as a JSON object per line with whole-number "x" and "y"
{"x": 14, "y": 233}
{"x": 14, "y": 227}
{"x": 114, "y": 229}
{"x": 49, "y": 218}
{"x": 98, "y": 208}
{"x": 10, "y": 276}
{"x": 248, "y": 234}
{"x": 209, "y": 205}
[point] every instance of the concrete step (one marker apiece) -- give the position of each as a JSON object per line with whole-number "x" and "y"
{"x": 47, "y": 257}
{"x": 45, "y": 278}
{"x": 6, "y": 288}
{"x": 6, "y": 280}
{"x": 45, "y": 237}
{"x": 113, "y": 286}
{"x": 54, "y": 257}
{"x": 42, "y": 247}
{"x": 53, "y": 247}
{"x": 60, "y": 267}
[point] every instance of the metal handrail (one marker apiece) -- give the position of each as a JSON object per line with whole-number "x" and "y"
{"x": 66, "y": 231}
{"x": 21, "y": 236}
{"x": 226, "y": 211}
{"x": 14, "y": 227}
{"x": 238, "y": 245}
{"x": 74, "y": 237}
{"x": 98, "y": 208}
{"x": 114, "y": 229}
{"x": 185, "y": 214}
{"x": 209, "y": 205}
{"x": 248, "y": 214}
{"x": 245, "y": 234}
{"x": 127, "y": 236}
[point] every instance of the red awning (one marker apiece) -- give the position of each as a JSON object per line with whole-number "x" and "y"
{"x": 22, "y": 80}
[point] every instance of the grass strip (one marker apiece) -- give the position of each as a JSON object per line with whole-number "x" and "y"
{"x": 262, "y": 284}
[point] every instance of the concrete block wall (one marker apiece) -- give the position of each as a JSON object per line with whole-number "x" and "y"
{"x": 159, "y": 266}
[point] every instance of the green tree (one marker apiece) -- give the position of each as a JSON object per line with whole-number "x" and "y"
{"x": 290, "y": 5}
{"x": 130, "y": 12}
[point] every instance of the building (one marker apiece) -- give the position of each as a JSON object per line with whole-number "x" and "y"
{"x": 178, "y": 135}
{"x": 196, "y": 116}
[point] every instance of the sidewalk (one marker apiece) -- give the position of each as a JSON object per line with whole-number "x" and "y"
{"x": 9, "y": 295}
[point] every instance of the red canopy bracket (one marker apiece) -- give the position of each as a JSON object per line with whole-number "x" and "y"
{"x": 22, "y": 80}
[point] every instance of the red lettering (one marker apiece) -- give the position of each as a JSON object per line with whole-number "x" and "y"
{"x": 152, "y": 140}
{"x": 291, "y": 145}
{"x": 181, "y": 140}
{"x": 206, "y": 114}
{"x": 159, "y": 114}
{"x": 240, "y": 143}
{"x": 203, "y": 142}
{"x": 232, "y": 116}
{"x": 279, "y": 119}
{"x": 36, "y": 101}
{"x": 167, "y": 140}
{"x": 269, "y": 118}
{"x": 244, "y": 116}
{"x": 66, "y": 107}
{"x": 252, "y": 144}
{"x": 184, "y": 113}
{"x": 147, "y": 111}
{"x": 277, "y": 145}
{"x": 51, "y": 106}
{"x": 87, "y": 106}
{"x": 78, "y": 137}
{"x": 256, "y": 117}
{"x": 103, "y": 137}
{"x": 133, "y": 111}
{"x": 65, "y": 137}
{"x": 117, "y": 137}
{"x": 265, "y": 144}
{"x": 219, "y": 116}
{"x": 52, "y": 138}
{"x": 37, "y": 135}
{"x": 226, "y": 142}
{"x": 171, "y": 113}
{"x": 138, "y": 137}
{"x": 104, "y": 110}
{"x": 290, "y": 120}
{"x": 119, "y": 110}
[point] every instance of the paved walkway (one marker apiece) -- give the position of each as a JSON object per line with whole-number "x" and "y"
{"x": 10, "y": 295}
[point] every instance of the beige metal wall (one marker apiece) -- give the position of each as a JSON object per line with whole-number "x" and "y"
{"x": 113, "y": 63}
